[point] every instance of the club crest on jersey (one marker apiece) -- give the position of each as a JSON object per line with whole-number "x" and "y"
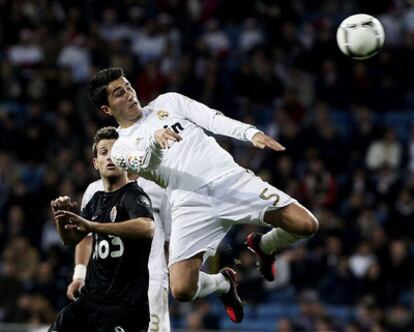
{"x": 144, "y": 201}
{"x": 113, "y": 213}
{"x": 162, "y": 115}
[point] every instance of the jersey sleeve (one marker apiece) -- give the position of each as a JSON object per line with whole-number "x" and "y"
{"x": 137, "y": 204}
{"x": 212, "y": 120}
{"x": 92, "y": 188}
{"x": 86, "y": 211}
{"x": 145, "y": 157}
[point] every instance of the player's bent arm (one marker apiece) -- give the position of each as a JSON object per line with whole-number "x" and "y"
{"x": 69, "y": 236}
{"x": 83, "y": 251}
{"x": 134, "y": 160}
{"x": 138, "y": 228}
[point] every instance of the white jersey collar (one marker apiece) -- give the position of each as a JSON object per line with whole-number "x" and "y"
{"x": 130, "y": 129}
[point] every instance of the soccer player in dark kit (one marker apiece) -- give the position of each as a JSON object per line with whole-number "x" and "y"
{"x": 115, "y": 295}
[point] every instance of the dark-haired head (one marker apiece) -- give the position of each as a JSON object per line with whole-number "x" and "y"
{"x": 99, "y": 82}
{"x": 103, "y": 133}
{"x": 112, "y": 93}
{"x": 112, "y": 176}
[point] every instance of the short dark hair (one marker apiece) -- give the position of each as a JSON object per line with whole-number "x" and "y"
{"x": 99, "y": 82}
{"x": 103, "y": 133}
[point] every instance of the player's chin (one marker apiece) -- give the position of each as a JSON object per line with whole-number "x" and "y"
{"x": 135, "y": 111}
{"x": 113, "y": 172}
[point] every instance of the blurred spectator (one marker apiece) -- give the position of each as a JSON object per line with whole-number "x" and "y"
{"x": 403, "y": 214}
{"x": 310, "y": 311}
{"x": 149, "y": 43}
{"x": 284, "y": 325}
{"x": 323, "y": 325}
{"x": 399, "y": 319}
{"x": 150, "y": 82}
{"x": 361, "y": 260}
{"x": 319, "y": 186}
{"x": 50, "y": 237}
{"x": 339, "y": 284}
{"x": 373, "y": 285}
{"x": 367, "y": 314}
{"x": 23, "y": 269}
{"x": 384, "y": 152}
{"x": 216, "y": 40}
{"x": 27, "y": 53}
{"x": 250, "y": 36}
{"x": 398, "y": 270}
{"x": 282, "y": 266}
{"x": 201, "y": 317}
{"x": 250, "y": 279}
{"x": 75, "y": 56}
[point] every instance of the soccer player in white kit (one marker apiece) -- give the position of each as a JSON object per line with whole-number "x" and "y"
{"x": 208, "y": 191}
{"x": 157, "y": 265}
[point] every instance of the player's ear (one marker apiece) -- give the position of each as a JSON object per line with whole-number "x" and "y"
{"x": 95, "y": 163}
{"x": 106, "y": 109}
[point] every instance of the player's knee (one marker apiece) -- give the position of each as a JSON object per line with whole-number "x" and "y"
{"x": 310, "y": 225}
{"x": 183, "y": 293}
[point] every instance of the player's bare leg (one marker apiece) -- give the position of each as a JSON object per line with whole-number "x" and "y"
{"x": 292, "y": 223}
{"x": 188, "y": 283}
{"x": 294, "y": 218}
{"x": 184, "y": 277}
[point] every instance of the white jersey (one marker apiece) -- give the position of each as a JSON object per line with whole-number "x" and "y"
{"x": 188, "y": 165}
{"x": 157, "y": 264}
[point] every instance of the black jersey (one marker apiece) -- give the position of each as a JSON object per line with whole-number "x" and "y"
{"x": 118, "y": 271}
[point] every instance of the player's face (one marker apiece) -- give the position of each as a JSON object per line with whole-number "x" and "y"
{"x": 124, "y": 105}
{"x": 103, "y": 162}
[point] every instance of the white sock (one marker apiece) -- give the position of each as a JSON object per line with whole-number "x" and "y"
{"x": 276, "y": 239}
{"x": 210, "y": 283}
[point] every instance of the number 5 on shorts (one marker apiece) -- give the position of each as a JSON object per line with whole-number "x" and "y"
{"x": 270, "y": 196}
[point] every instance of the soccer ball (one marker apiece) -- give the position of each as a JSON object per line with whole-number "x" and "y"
{"x": 360, "y": 36}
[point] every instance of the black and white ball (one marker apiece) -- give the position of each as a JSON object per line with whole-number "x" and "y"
{"x": 360, "y": 36}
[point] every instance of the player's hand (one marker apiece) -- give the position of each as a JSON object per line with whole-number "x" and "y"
{"x": 262, "y": 141}
{"x": 76, "y": 222}
{"x": 74, "y": 288}
{"x": 162, "y": 136}
{"x": 63, "y": 203}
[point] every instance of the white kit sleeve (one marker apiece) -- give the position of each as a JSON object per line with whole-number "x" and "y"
{"x": 213, "y": 120}
{"x": 133, "y": 159}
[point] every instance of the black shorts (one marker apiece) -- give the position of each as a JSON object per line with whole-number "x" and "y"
{"x": 85, "y": 316}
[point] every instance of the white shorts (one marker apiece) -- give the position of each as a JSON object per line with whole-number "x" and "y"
{"x": 158, "y": 307}
{"x": 202, "y": 219}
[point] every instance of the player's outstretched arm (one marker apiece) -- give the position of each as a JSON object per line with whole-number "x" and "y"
{"x": 262, "y": 141}
{"x": 210, "y": 119}
{"x": 137, "y": 228}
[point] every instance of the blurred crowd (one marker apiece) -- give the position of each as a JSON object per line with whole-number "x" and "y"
{"x": 275, "y": 64}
